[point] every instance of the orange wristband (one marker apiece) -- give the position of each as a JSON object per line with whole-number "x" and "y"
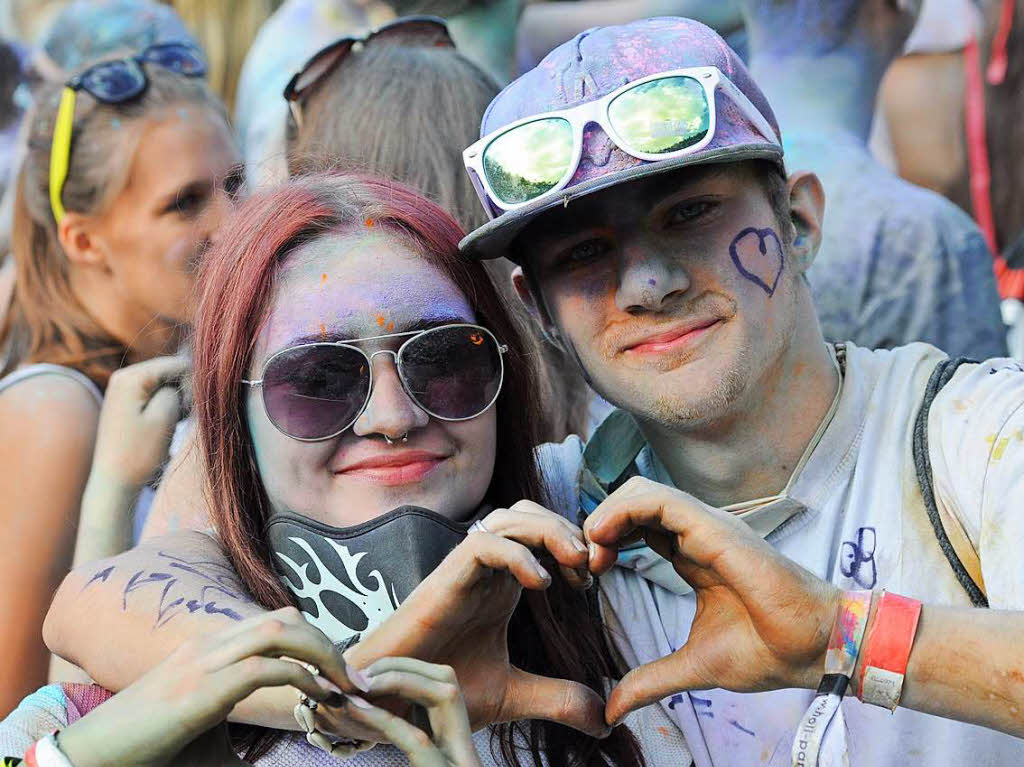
{"x": 887, "y": 650}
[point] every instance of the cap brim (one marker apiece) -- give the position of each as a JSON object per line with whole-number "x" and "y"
{"x": 493, "y": 238}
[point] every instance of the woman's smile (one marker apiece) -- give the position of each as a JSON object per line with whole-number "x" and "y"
{"x": 393, "y": 468}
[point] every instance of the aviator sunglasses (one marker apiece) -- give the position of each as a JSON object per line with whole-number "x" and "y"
{"x": 315, "y": 391}
{"x": 111, "y": 82}
{"x": 424, "y": 31}
{"x": 660, "y": 117}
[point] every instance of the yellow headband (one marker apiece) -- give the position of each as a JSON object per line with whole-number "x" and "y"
{"x": 60, "y": 151}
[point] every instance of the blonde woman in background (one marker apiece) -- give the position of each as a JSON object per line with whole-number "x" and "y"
{"x": 104, "y": 277}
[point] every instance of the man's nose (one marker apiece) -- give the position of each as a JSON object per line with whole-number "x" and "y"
{"x": 649, "y": 278}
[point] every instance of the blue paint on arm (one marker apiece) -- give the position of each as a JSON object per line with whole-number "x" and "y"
{"x": 101, "y": 576}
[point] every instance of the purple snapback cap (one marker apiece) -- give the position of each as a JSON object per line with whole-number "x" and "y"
{"x": 595, "y": 63}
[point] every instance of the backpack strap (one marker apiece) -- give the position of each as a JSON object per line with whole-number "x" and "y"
{"x": 960, "y": 554}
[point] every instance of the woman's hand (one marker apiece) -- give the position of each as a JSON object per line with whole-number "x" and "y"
{"x": 762, "y": 621}
{"x": 149, "y": 723}
{"x": 459, "y": 616}
{"x": 437, "y": 690}
{"x": 141, "y": 406}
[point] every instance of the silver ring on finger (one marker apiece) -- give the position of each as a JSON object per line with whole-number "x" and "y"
{"x": 478, "y": 527}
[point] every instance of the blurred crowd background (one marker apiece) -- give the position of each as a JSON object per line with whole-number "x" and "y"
{"x": 946, "y": 118}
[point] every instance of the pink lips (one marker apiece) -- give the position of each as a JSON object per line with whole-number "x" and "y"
{"x": 399, "y": 468}
{"x": 672, "y": 340}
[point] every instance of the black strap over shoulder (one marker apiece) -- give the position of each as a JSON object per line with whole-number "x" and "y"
{"x": 922, "y": 463}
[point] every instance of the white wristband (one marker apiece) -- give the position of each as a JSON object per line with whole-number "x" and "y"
{"x": 48, "y": 753}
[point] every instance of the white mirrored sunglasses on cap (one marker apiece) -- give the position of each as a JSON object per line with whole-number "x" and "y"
{"x": 659, "y": 117}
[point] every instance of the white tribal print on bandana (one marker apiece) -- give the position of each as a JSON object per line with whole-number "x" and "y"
{"x": 377, "y": 604}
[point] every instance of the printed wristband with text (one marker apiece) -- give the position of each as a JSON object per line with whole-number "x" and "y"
{"x": 841, "y": 655}
{"x": 887, "y": 650}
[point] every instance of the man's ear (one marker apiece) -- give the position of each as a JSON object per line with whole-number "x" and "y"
{"x": 81, "y": 241}
{"x": 534, "y": 307}
{"x": 807, "y": 210}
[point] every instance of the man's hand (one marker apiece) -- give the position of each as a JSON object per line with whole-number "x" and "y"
{"x": 762, "y": 621}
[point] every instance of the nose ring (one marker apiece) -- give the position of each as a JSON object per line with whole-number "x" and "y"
{"x": 403, "y": 438}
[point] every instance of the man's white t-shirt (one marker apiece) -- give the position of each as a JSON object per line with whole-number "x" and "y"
{"x": 864, "y": 526}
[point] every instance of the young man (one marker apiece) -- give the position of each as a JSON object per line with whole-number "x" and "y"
{"x": 677, "y": 282}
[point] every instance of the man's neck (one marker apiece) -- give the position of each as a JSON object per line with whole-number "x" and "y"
{"x": 753, "y": 454}
{"x": 827, "y": 93}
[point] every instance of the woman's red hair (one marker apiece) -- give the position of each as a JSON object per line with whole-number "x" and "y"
{"x": 561, "y": 635}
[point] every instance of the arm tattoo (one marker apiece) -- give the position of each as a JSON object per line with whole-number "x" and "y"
{"x": 216, "y": 581}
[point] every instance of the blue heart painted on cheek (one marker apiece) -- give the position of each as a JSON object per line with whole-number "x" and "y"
{"x": 757, "y": 255}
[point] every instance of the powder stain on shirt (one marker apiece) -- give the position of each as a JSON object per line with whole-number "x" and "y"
{"x": 997, "y": 447}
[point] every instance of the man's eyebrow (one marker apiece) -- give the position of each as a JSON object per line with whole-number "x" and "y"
{"x": 339, "y": 334}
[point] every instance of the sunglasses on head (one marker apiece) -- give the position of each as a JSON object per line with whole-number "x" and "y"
{"x": 313, "y": 392}
{"x": 424, "y": 31}
{"x": 660, "y": 117}
{"x": 111, "y": 82}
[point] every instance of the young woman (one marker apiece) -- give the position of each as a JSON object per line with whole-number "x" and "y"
{"x": 106, "y": 237}
{"x": 356, "y": 384}
{"x": 344, "y": 112}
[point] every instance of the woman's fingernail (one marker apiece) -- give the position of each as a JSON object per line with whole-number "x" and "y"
{"x": 358, "y": 702}
{"x": 592, "y": 551}
{"x": 544, "y": 574}
{"x": 579, "y": 545}
{"x": 327, "y": 685}
{"x": 359, "y": 679}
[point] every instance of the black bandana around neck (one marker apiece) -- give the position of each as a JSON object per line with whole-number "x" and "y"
{"x": 348, "y": 580}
